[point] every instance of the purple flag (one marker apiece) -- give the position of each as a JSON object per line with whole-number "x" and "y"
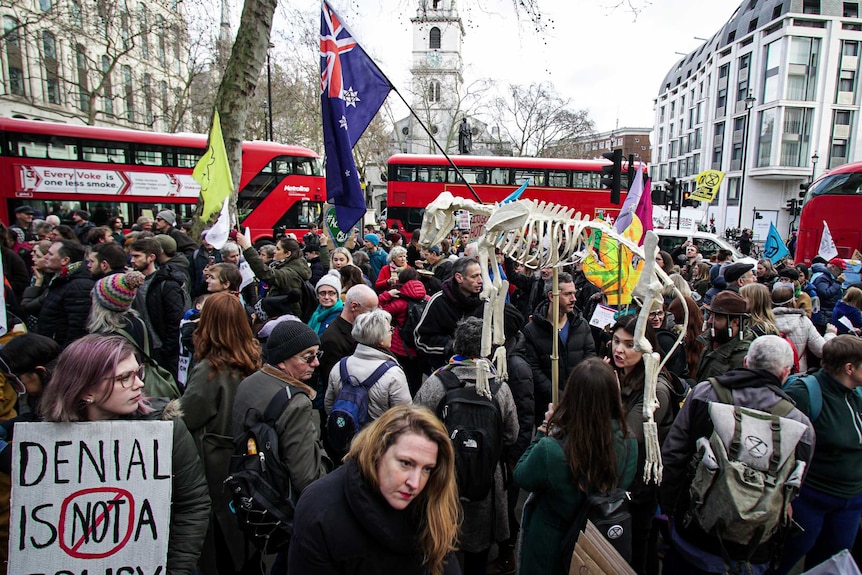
{"x": 352, "y": 90}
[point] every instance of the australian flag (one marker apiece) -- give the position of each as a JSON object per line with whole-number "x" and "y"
{"x": 352, "y": 90}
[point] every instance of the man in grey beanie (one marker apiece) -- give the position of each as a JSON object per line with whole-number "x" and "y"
{"x": 292, "y": 356}
{"x": 166, "y": 221}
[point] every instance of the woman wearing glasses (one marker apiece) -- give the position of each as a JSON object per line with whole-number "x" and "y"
{"x": 226, "y": 352}
{"x": 101, "y": 381}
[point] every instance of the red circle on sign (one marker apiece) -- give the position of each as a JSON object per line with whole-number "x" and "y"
{"x": 73, "y": 551}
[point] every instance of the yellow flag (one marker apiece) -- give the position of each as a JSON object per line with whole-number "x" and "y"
{"x": 213, "y": 173}
{"x": 708, "y": 183}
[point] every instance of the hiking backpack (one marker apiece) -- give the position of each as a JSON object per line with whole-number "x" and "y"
{"x": 415, "y": 309}
{"x": 349, "y": 413}
{"x": 475, "y": 426}
{"x": 746, "y": 471}
{"x": 815, "y": 394}
{"x": 261, "y": 495}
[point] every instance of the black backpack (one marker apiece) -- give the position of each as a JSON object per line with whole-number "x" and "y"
{"x": 610, "y": 513}
{"x": 261, "y": 495}
{"x": 349, "y": 413}
{"x": 308, "y": 301}
{"x": 415, "y": 309}
{"x": 475, "y": 425}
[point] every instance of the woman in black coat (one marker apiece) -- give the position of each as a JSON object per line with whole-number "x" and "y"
{"x": 391, "y": 508}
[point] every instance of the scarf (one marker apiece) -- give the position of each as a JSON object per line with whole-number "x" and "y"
{"x": 318, "y": 321}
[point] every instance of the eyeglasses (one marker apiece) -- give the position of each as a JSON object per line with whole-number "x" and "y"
{"x": 310, "y": 358}
{"x": 656, "y": 314}
{"x": 128, "y": 379}
{"x": 327, "y": 293}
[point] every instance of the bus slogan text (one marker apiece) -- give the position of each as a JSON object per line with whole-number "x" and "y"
{"x": 90, "y": 498}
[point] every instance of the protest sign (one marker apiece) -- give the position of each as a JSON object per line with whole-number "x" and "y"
{"x": 90, "y": 498}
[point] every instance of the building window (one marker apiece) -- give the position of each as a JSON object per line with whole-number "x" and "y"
{"x": 124, "y": 29}
{"x": 14, "y": 59}
{"x": 45, "y": 5}
{"x": 49, "y": 60}
{"x": 771, "y": 68}
{"x": 434, "y": 38}
{"x": 718, "y": 146}
{"x": 733, "y": 191}
{"x": 161, "y": 31}
{"x": 850, "y": 48}
{"x": 83, "y": 83}
{"x": 851, "y": 9}
{"x": 148, "y": 99}
{"x": 764, "y": 139}
{"x": 77, "y": 18}
{"x": 811, "y": 6}
{"x": 802, "y": 68}
{"x": 743, "y": 75}
{"x": 434, "y": 91}
{"x": 838, "y": 153}
{"x": 143, "y": 21}
{"x": 107, "y": 91}
{"x": 795, "y": 147}
{"x": 130, "y": 93}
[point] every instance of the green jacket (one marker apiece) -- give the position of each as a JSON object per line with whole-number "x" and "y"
{"x": 715, "y": 362}
{"x": 207, "y": 411}
{"x": 836, "y": 468}
{"x": 282, "y": 276}
{"x": 555, "y": 500}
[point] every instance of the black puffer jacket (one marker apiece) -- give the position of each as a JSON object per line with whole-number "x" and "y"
{"x": 343, "y": 525}
{"x": 521, "y": 384}
{"x": 167, "y": 301}
{"x": 436, "y": 330}
{"x": 66, "y": 306}
{"x": 538, "y": 333}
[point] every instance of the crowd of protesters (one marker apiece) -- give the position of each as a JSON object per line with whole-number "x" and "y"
{"x": 145, "y": 322}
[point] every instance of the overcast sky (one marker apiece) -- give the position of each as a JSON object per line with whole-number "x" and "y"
{"x": 603, "y": 59}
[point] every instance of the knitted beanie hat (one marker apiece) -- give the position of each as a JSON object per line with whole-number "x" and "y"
{"x": 329, "y": 280}
{"x": 116, "y": 292}
{"x": 169, "y": 244}
{"x": 287, "y": 339}
{"x": 167, "y": 215}
{"x": 373, "y": 238}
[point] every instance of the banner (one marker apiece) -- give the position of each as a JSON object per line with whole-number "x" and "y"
{"x": 827, "y": 249}
{"x": 708, "y": 183}
{"x": 90, "y": 497}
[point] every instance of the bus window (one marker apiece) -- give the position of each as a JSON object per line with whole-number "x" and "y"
{"x": 308, "y": 166}
{"x": 404, "y": 174}
{"x": 423, "y": 174}
{"x": 558, "y": 179}
{"x": 301, "y": 215}
{"x": 499, "y": 176}
{"x": 187, "y": 157}
{"x": 537, "y": 177}
{"x": 282, "y": 165}
{"x": 438, "y": 175}
{"x": 95, "y": 151}
{"x": 149, "y": 158}
{"x": 841, "y": 184}
{"x": 472, "y": 175}
{"x": 42, "y": 146}
{"x": 587, "y": 180}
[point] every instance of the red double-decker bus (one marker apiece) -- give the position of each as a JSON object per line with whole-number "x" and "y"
{"x": 59, "y": 168}
{"x": 835, "y": 198}
{"x": 415, "y": 180}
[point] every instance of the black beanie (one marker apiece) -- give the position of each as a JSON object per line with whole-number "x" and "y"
{"x": 287, "y": 339}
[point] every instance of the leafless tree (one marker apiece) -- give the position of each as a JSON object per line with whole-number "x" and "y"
{"x": 535, "y": 117}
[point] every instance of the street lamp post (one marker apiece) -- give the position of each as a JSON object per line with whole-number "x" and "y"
{"x": 814, "y": 159}
{"x": 270, "y": 136}
{"x": 749, "y": 104}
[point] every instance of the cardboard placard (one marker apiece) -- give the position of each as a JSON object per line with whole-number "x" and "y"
{"x": 90, "y": 497}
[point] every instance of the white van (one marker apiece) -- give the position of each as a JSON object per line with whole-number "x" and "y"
{"x": 708, "y": 244}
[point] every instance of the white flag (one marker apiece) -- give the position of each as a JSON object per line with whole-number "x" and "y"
{"x": 827, "y": 249}
{"x": 218, "y": 234}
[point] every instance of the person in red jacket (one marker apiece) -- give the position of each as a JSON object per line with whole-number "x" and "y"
{"x": 397, "y": 301}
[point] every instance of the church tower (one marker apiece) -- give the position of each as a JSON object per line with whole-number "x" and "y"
{"x": 437, "y": 80}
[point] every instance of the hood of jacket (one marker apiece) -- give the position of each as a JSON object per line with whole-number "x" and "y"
{"x": 746, "y": 377}
{"x": 820, "y": 268}
{"x": 540, "y": 315}
{"x": 457, "y": 297}
{"x": 413, "y": 289}
{"x": 788, "y": 319}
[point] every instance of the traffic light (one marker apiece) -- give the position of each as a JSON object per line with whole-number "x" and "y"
{"x": 672, "y": 186}
{"x": 791, "y": 205}
{"x": 687, "y": 202}
{"x": 660, "y": 197}
{"x": 612, "y": 175}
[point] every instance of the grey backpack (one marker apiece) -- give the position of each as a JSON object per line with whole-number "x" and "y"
{"x": 746, "y": 471}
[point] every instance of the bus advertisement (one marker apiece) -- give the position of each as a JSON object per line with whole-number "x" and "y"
{"x": 59, "y": 168}
{"x": 835, "y": 198}
{"x": 413, "y": 181}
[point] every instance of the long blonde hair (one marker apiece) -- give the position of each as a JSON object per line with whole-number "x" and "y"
{"x": 437, "y": 506}
{"x": 760, "y": 308}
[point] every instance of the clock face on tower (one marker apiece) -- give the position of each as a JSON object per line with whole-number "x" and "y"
{"x": 433, "y": 58}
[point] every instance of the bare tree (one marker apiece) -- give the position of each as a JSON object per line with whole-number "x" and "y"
{"x": 535, "y": 117}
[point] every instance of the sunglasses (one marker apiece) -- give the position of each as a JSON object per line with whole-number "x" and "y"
{"x": 310, "y": 358}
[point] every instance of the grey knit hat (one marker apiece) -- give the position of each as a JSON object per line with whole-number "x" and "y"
{"x": 287, "y": 339}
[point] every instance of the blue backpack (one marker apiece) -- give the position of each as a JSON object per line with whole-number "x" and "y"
{"x": 815, "y": 394}
{"x": 349, "y": 414}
